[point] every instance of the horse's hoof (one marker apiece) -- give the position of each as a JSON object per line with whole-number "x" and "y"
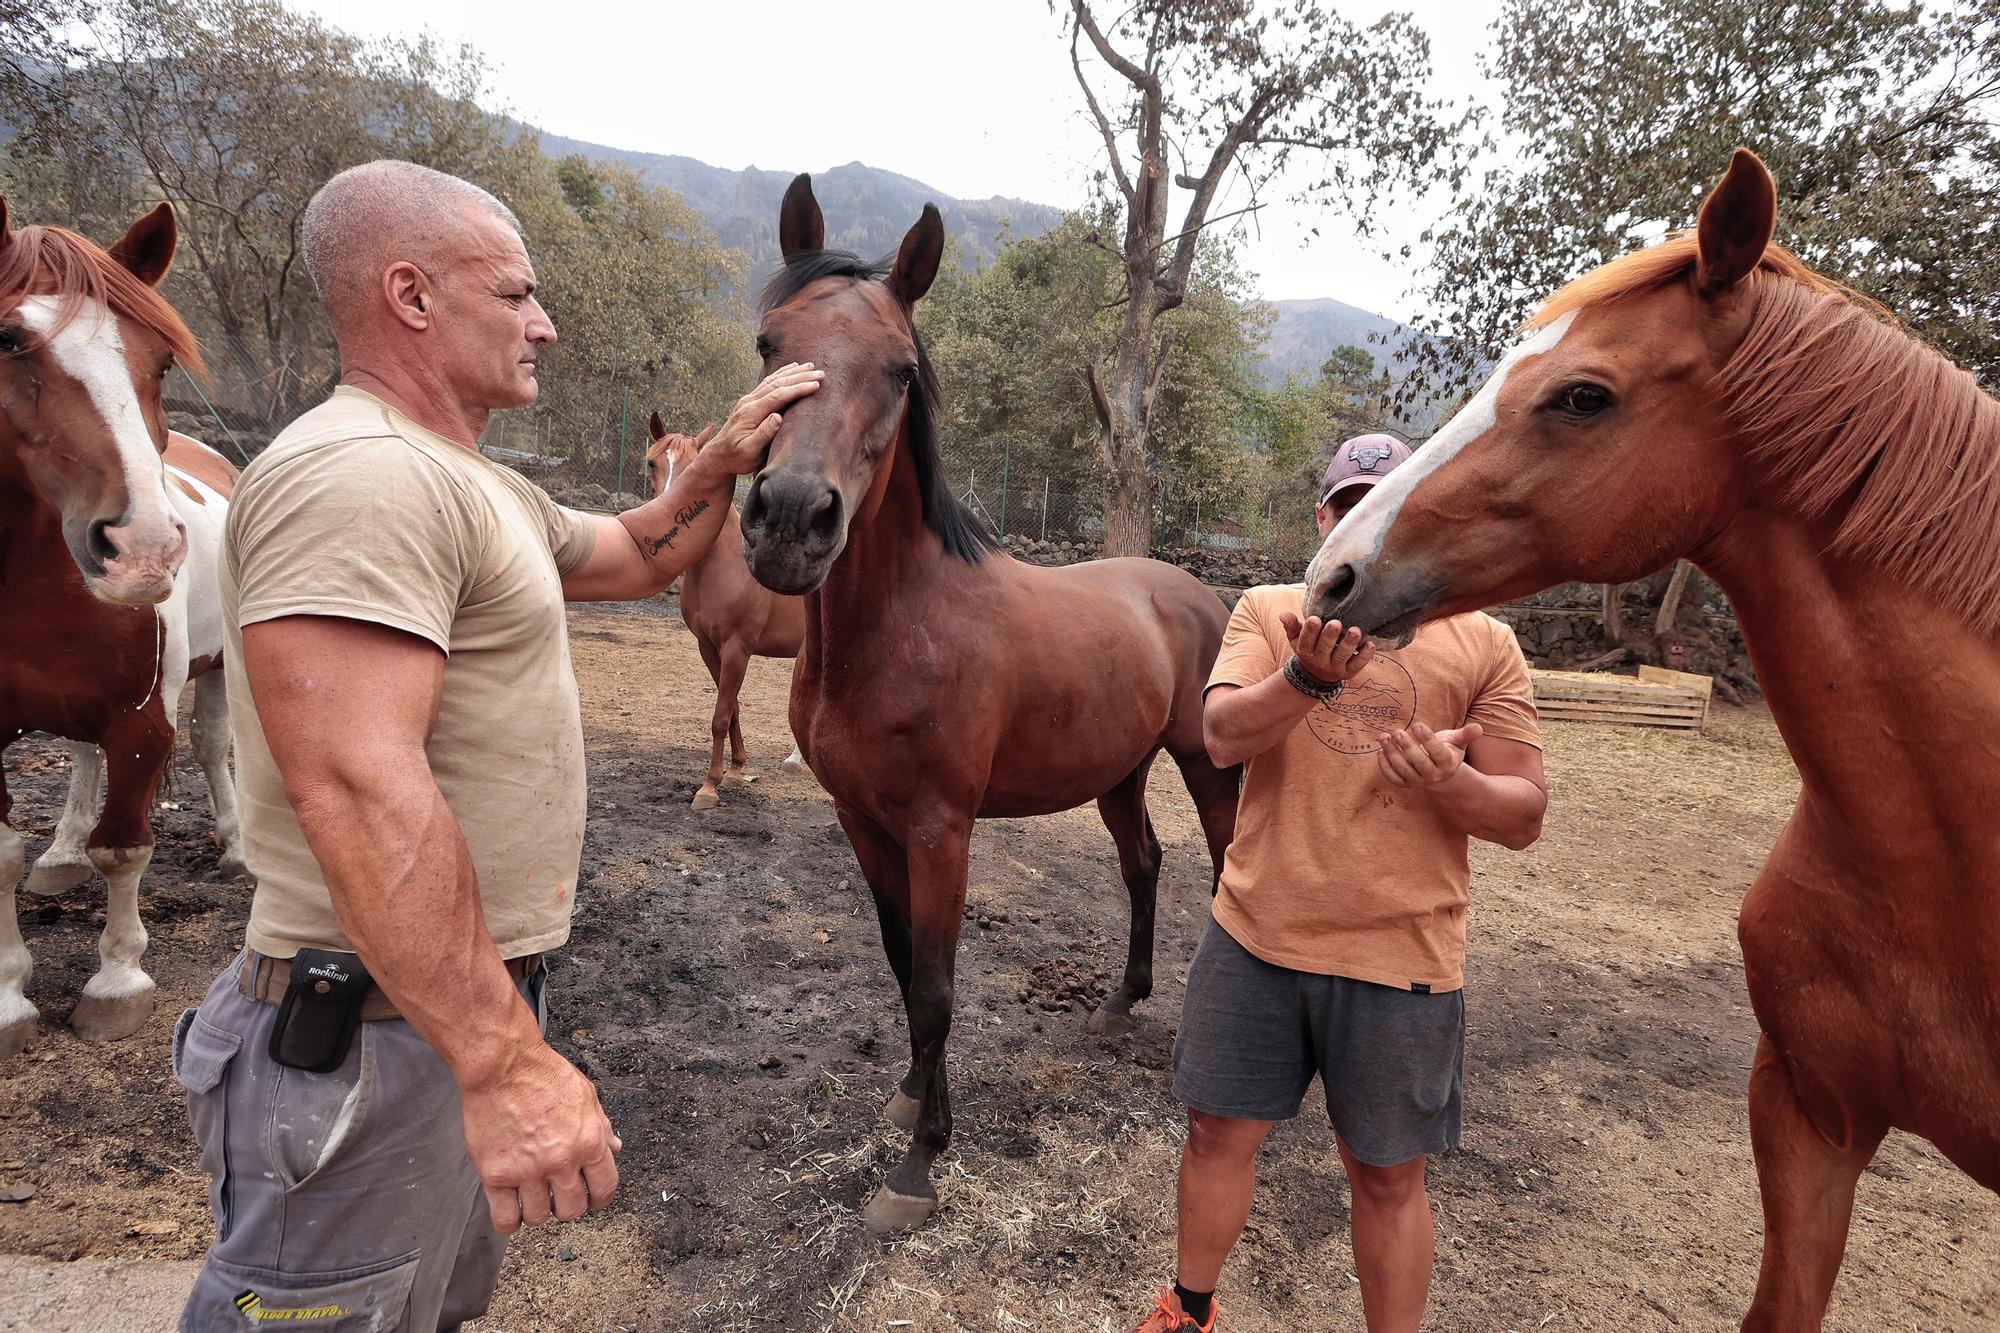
{"x": 50, "y": 878}
{"x": 1110, "y": 1023}
{"x": 889, "y": 1212}
{"x": 903, "y": 1111}
{"x": 14, "y": 1036}
{"x": 234, "y": 866}
{"x": 705, "y": 799}
{"x": 110, "y": 1018}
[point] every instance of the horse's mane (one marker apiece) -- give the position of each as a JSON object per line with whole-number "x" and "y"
{"x": 54, "y": 261}
{"x": 963, "y": 535}
{"x": 1855, "y": 417}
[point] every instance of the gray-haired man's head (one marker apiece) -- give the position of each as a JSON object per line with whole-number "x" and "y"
{"x": 427, "y": 271}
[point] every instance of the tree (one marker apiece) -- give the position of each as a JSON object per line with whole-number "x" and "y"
{"x": 236, "y": 110}
{"x": 1207, "y": 95}
{"x": 1877, "y": 118}
{"x": 1013, "y": 341}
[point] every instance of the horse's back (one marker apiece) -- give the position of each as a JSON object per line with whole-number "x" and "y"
{"x": 200, "y": 482}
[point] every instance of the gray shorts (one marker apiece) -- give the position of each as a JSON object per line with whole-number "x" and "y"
{"x": 343, "y": 1200}
{"x": 1253, "y": 1034}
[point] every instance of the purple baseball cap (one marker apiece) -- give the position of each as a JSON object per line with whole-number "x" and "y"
{"x": 1361, "y": 461}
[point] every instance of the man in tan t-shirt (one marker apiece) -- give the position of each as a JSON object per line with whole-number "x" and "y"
{"x": 1338, "y": 944}
{"x": 368, "y": 1082}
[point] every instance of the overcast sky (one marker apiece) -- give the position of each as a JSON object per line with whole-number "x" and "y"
{"x": 974, "y": 97}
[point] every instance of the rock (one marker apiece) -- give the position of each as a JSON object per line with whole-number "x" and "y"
{"x": 566, "y": 1255}
{"x": 16, "y": 1193}
{"x": 771, "y": 1062}
{"x": 159, "y": 1227}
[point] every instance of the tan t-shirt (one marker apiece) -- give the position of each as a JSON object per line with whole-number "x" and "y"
{"x": 356, "y": 511}
{"x": 1334, "y": 870}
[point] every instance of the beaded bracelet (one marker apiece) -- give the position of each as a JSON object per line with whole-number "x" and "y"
{"x": 1296, "y": 676}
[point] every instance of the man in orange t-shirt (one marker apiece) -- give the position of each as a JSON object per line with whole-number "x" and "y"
{"x": 1338, "y": 944}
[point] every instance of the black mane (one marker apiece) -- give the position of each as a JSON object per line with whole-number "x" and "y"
{"x": 963, "y": 535}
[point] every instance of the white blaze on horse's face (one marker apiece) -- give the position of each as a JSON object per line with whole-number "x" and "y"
{"x": 1358, "y": 538}
{"x": 144, "y": 546}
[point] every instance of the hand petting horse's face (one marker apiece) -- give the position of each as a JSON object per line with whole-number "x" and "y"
{"x": 82, "y": 422}
{"x": 826, "y": 469}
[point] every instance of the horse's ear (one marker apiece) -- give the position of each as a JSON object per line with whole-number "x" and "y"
{"x": 706, "y": 431}
{"x": 800, "y": 226}
{"x": 657, "y": 427}
{"x": 917, "y": 260}
{"x": 1736, "y": 224}
{"x": 6, "y": 228}
{"x": 147, "y": 250}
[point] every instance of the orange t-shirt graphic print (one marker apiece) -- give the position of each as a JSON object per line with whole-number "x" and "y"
{"x": 1333, "y": 870}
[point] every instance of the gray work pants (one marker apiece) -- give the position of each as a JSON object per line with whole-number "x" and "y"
{"x": 343, "y": 1200}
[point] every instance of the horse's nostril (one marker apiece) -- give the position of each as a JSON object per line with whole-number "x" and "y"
{"x": 824, "y": 523}
{"x": 97, "y": 540}
{"x": 1340, "y": 583}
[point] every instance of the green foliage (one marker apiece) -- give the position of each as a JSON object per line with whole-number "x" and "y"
{"x": 238, "y": 110}
{"x": 1878, "y": 119}
{"x": 1012, "y": 343}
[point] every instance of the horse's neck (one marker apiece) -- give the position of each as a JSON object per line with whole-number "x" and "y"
{"x": 1889, "y": 703}
{"x": 889, "y": 550}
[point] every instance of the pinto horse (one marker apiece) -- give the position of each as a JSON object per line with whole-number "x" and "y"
{"x": 1712, "y": 397}
{"x": 941, "y": 681}
{"x": 732, "y": 616}
{"x": 108, "y": 596}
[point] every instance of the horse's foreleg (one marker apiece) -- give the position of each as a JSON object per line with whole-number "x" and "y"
{"x": 66, "y": 863}
{"x": 1123, "y": 810}
{"x": 17, "y": 1016}
{"x": 1214, "y": 791}
{"x": 937, "y": 868}
{"x": 887, "y": 872}
{"x": 1807, "y": 1182}
{"x": 120, "y": 996}
{"x": 727, "y": 669}
{"x": 210, "y": 733}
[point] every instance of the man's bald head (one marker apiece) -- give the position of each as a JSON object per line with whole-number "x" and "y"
{"x": 381, "y": 213}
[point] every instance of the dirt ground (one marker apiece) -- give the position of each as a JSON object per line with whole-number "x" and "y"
{"x": 726, "y": 988}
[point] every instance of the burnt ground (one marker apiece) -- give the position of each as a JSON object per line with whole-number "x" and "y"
{"x": 726, "y": 989}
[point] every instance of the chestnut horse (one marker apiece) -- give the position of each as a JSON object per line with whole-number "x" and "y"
{"x": 1711, "y": 397}
{"x": 940, "y": 680}
{"x": 107, "y": 583}
{"x": 732, "y": 616}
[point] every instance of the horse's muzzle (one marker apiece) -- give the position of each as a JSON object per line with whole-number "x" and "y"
{"x": 794, "y": 527}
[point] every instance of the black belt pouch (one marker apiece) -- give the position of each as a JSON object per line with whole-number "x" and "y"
{"x": 321, "y": 1009}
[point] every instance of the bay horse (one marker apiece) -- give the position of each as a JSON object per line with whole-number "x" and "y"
{"x": 732, "y": 616}
{"x": 1713, "y": 398}
{"x": 940, "y": 680}
{"x": 110, "y": 530}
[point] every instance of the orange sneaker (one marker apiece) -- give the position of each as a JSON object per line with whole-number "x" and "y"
{"x": 1169, "y": 1317}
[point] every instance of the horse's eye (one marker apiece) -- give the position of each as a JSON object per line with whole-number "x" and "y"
{"x": 10, "y": 341}
{"x": 906, "y": 375}
{"x": 764, "y": 349}
{"x": 1583, "y": 400}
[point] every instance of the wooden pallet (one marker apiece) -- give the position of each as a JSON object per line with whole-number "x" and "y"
{"x": 1576, "y": 696}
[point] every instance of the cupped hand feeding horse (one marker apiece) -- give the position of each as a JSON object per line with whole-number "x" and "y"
{"x": 110, "y": 532}
{"x": 941, "y": 681}
{"x": 1712, "y": 397}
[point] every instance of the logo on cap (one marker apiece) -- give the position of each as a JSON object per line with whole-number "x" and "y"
{"x": 1368, "y": 455}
